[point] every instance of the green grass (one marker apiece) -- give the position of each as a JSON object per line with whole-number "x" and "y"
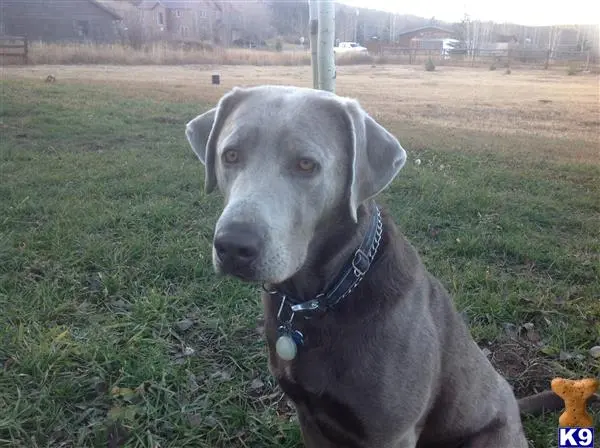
{"x": 106, "y": 285}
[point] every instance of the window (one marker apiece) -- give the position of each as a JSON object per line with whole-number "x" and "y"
{"x": 177, "y": 13}
{"x": 184, "y": 31}
{"x": 203, "y": 14}
{"x": 161, "y": 19}
{"x": 82, "y": 28}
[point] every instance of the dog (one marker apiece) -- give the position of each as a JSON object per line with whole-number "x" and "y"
{"x": 364, "y": 341}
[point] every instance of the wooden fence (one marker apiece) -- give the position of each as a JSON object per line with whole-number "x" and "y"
{"x": 14, "y": 47}
{"x": 478, "y": 57}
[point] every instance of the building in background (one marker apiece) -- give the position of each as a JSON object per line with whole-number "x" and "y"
{"x": 60, "y": 21}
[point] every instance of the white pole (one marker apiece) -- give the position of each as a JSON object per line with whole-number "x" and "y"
{"x": 326, "y": 41}
{"x": 313, "y": 23}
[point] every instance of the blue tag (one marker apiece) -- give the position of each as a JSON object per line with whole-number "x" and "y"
{"x": 298, "y": 337}
{"x": 575, "y": 437}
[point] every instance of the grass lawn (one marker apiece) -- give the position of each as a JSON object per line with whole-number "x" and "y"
{"x": 114, "y": 329}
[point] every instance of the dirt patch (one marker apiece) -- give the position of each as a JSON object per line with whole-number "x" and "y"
{"x": 522, "y": 365}
{"x": 591, "y": 123}
{"x": 167, "y": 120}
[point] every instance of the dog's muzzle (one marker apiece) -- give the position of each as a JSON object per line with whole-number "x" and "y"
{"x": 237, "y": 247}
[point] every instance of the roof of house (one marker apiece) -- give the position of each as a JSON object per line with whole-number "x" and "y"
{"x": 120, "y": 7}
{"x": 106, "y": 9}
{"x": 425, "y": 28}
{"x": 175, "y": 4}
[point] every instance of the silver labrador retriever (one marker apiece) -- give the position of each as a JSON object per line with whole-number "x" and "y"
{"x": 365, "y": 342}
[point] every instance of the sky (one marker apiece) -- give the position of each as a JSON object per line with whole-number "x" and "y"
{"x": 523, "y": 12}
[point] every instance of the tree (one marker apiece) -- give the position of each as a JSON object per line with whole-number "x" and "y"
{"x": 326, "y": 55}
{"x": 314, "y": 39}
{"x": 289, "y": 18}
{"x": 256, "y": 20}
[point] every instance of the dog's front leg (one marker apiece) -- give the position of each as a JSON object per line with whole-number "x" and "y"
{"x": 408, "y": 440}
{"x": 312, "y": 435}
{"x": 323, "y": 434}
{"x": 499, "y": 435}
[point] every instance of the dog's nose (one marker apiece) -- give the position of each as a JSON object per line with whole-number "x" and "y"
{"x": 237, "y": 246}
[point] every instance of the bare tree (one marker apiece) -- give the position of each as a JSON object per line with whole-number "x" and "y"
{"x": 256, "y": 20}
{"x": 326, "y": 36}
{"x": 313, "y": 20}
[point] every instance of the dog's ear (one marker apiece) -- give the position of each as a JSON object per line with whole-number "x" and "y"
{"x": 197, "y": 132}
{"x": 376, "y": 156}
{"x": 203, "y": 133}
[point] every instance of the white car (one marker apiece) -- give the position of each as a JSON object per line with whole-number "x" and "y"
{"x": 349, "y": 47}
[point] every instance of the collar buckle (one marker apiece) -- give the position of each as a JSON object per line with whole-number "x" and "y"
{"x": 360, "y": 263}
{"x": 311, "y": 305}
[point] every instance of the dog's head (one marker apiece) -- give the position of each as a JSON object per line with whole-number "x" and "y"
{"x": 288, "y": 161}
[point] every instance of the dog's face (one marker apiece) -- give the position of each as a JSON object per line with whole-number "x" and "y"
{"x": 286, "y": 160}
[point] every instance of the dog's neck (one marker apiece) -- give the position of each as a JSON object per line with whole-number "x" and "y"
{"x": 331, "y": 250}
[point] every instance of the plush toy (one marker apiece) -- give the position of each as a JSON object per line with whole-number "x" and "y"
{"x": 575, "y": 394}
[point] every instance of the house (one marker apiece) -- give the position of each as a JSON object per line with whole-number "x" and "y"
{"x": 568, "y": 39}
{"x": 123, "y": 8}
{"x": 498, "y": 44}
{"x": 60, "y": 20}
{"x": 425, "y": 37}
{"x": 180, "y": 20}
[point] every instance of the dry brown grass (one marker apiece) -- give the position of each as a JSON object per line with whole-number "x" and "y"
{"x": 544, "y": 114}
{"x": 164, "y": 54}
{"x": 161, "y": 53}
{"x": 158, "y": 54}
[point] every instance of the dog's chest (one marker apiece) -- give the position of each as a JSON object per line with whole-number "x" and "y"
{"x": 309, "y": 382}
{"x": 319, "y": 403}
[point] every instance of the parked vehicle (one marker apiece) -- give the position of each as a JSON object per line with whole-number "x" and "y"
{"x": 349, "y": 47}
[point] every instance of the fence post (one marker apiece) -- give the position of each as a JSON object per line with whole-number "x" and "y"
{"x": 26, "y": 50}
{"x": 587, "y": 61}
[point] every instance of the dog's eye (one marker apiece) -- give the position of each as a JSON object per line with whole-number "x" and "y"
{"x": 306, "y": 165}
{"x": 230, "y": 156}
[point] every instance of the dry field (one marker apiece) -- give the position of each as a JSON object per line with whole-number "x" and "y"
{"x": 546, "y": 113}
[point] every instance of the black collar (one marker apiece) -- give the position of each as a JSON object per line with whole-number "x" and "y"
{"x": 349, "y": 277}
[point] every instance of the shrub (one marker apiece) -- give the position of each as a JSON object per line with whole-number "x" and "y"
{"x": 492, "y": 67}
{"x": 429, "y": 65}
{"x": 572, "y": 70}
{"x": 278, "y": 45}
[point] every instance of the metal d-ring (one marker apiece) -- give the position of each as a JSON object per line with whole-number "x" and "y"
{"x": 269, "y": 291}
{"x": 289, "y": 321}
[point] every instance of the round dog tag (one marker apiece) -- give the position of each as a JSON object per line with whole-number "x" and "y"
{"x": 286, "y": 348}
